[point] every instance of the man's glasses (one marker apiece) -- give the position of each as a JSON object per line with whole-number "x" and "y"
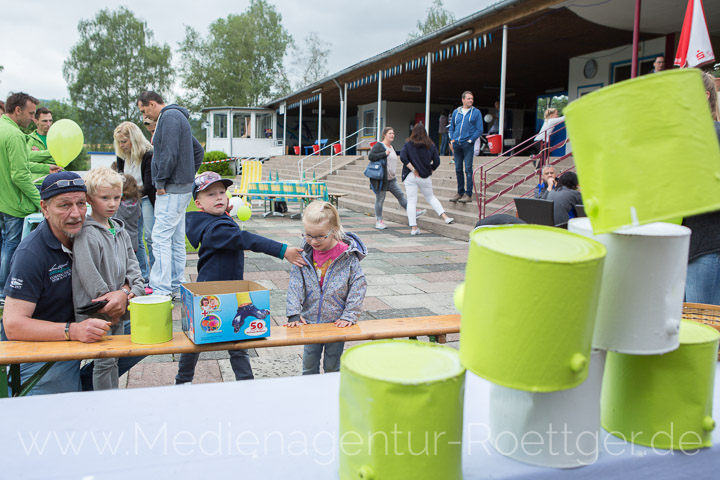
{"x": 319, "y": 238}
{"x": 79, "y": 182}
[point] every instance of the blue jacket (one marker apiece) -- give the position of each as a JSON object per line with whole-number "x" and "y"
{"x": 466, "y": 128}
{"x": 223, "y": 245}
{"x": 177, "y": 154}
{"x": 343, "y": 290}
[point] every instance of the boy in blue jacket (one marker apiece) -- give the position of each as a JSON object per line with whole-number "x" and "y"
{"x": 222, "y": 256}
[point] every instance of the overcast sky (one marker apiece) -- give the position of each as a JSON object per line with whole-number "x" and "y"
{"x": 38, "y": 34}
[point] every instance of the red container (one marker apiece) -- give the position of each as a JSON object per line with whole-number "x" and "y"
{"x": 495, "y": 143}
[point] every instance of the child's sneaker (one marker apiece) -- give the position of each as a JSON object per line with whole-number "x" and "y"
{"x": 380, "y": 225}
{"x": 420, "y": 212}
{"x": 415, "y": 232}
{"x": 148, "y": 291}
{"x": 449, "y": 220}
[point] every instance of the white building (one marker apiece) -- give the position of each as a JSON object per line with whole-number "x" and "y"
{"x": 242, "y": 131}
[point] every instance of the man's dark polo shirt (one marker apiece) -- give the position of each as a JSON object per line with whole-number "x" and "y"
{"x": 40, "y": 272}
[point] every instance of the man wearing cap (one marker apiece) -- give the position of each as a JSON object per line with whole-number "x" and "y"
{"x": 18, "y": 196}
{"x": 39, "y": 303}
{"x": 177, "y": 157}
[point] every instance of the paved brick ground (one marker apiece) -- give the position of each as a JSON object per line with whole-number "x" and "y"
{"x": 407, "y": 276}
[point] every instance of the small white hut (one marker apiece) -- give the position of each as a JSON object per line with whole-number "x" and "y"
{"x": 242, "y": 131}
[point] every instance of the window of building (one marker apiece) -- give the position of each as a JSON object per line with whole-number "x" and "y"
{"x": 220, "y": 125}
{"x": 263, "y": 125}
{"x": 241, "y": 125}
{"x": 368, "y": 120}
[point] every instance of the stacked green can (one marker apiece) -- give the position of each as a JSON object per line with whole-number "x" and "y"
{"x": 401, "y": 411}
{"x": 528, "y": 310}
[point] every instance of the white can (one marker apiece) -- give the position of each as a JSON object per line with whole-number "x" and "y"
{"x": 643, "y": 287}
{"x": 556, "y": 429}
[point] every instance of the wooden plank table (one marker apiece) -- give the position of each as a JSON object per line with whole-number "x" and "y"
{"x": 335, "y": 198}
{"x": 13, "y": 353}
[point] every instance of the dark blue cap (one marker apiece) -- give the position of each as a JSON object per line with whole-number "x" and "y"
{"x": 61, "y": 182}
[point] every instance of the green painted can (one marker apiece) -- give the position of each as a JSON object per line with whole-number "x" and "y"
{"x": 640, "y": 129}
{"x": 150, "y": 319}
{"x": 663, "y": 401}
{"x": 401, "y": 411}
{"x": 529, "y": 306}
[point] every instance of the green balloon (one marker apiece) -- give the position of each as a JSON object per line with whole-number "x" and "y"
{"x": 244, "y": 213}
{"x": 65, "y": 141}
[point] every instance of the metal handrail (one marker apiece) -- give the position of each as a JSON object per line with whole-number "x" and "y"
{"x": 301, "y": 162}
{"x": 542, "y": 159}
{"x": 511, "y": 204}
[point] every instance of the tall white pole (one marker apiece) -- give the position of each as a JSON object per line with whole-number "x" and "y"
{"x": 319, "y": 121}
{"x": 285, "y": 128}
{"x": 300, "y": 130}
{"x": 379, "y": 105}
{"x": 503, "y": 75}
{"x": 344, "y": 115}
{"x": 427, "y": 97}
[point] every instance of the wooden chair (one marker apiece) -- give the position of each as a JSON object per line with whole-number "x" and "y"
{"x": 251, "y": 172}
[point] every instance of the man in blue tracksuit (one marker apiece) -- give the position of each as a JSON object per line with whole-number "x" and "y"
{"x": 466, "y": 126}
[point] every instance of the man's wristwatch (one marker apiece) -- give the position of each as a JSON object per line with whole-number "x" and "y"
{"x": 126, "y": 291}
{"x": 67, "y": 331}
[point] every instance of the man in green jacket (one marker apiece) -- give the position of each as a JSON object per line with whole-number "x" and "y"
{"x": 18, "y": 196}
{"x": 41, "y": 162}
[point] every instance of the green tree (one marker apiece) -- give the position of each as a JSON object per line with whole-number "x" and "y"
{"x": 115, "y": 60}
{"x": 310, "y": 60}
{"x": 437, "y": 17}
{"x": 240, "y": 62}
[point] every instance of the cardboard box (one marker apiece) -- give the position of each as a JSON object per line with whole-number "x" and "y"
{"x": 225, "y": 311}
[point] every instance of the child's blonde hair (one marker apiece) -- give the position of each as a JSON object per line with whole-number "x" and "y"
{"x": 318, "y": 212}
{"x": 102, "y": 177}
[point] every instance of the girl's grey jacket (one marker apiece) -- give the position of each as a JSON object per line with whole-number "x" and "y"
{"x": 103, "y": 263}
{"x": 343, "y": 291}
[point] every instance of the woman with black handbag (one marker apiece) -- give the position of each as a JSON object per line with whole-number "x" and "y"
{"x": 384, "y": 154}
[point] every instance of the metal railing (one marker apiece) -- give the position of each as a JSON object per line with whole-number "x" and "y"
{"x": 542, "y": 159}
{"x": 366, "y": 131}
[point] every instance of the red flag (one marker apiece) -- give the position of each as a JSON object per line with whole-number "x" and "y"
{"x": 694, "y": 48}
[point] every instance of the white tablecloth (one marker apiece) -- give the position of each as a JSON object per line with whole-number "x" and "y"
{"x": 265, "y": 429}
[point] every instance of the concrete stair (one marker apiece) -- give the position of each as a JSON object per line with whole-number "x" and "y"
{"x": 347, "y": 176}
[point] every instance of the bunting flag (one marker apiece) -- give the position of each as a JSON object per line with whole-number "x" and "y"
{"x": 461, "y": 48}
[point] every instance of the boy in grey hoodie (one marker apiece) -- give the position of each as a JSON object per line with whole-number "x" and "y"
{"x": 104, "y": 261}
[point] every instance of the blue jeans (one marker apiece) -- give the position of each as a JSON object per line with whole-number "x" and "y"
{"x": 140, "y": 253}
{"x": 463, "y": 155}
{"x": 168, "y": 234}
{"x": 148, "y": 216}
{"x": 239, "y": 360}
{"x": 393, "y": 186}
{"x": 703, "y": 280}
{"x": 10, "y": 234}
{"x": 124, "y": 364}
{"x": 331, "y": 360}
{"x": 444, "y": 143}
